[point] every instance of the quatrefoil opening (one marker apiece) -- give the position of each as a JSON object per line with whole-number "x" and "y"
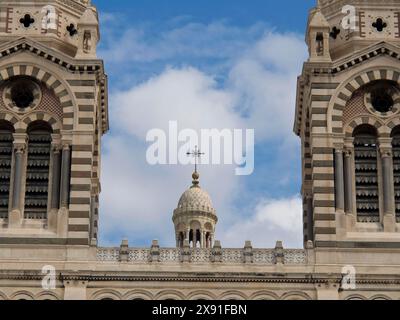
{"x": 72, "y": 30}
{"x": 379, "y": 25}
{"x": 27, "y": 20}
{"x": 334, "y": 33}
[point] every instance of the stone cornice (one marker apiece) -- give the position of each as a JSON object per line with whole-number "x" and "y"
{"x": 271, "y": 278}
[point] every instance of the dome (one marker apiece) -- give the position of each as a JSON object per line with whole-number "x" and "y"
{"x": 195, "y": 198}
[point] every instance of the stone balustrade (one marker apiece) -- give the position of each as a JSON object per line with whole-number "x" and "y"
{"x": 198, "y": 256}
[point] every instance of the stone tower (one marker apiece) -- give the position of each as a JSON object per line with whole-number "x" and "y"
{"x": 195, "y": 218}
{"x": 348, "y": 118}
{"x": 53, "y": 112}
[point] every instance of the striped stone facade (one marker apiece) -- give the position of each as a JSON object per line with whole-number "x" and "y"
{"x": 75, "y": 106}
{"x": 326, "y": 119}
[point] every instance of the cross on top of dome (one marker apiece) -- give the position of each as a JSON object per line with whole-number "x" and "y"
{"x": 196, "y": 153}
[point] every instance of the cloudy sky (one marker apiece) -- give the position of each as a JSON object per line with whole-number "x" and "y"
{"x": 205, "y": 64}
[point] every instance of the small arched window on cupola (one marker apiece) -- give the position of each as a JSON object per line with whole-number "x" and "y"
{"x": 37, "y": 170}
{"x": 366, "y": 173}
{"x": 6, "y": 151}
{"x": 319, "y": 39}
{"x": 396, "y": 169}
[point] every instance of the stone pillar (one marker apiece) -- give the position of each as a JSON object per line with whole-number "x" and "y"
{"x": 202, "y": 239}
{"x": 248, "y": 252}
{"x": 386, "y": 157}
{"x": 17, "y": 187}
{"x": 310, "y": 218}
{"x": 56, "y": 177}
{"x": 15, "y": 217}
{"x": 194, "y": 238}
{"x": 155, "y": 251}
{"x": 177, "y": 240}
{"x": 348, "y": 181}
{"x": 55, "y": 186}
{"x": 389, "y": 217}
{"x": 216, "y": 252}
{"x": 65, "y": 176}
{"x": 124, "y": 251}
{"x": 339, "y": 180}
{"x": 185, "y": 252}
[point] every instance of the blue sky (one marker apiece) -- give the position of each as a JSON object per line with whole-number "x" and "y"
{"x": 207, "y": 64}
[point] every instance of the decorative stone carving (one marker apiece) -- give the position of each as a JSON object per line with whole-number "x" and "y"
{"x": 216, "y": 252}
{"x": 295, "y": 256}
{"x": 21, "y": 94}
{"x": 123, "y": 251}
{"x": 139, "y": 255}
{"x": 185, "y": 252}
{"x": 155, "y": 252}
{"x": 263, "y": 256}
{"x": 107, "y": 254}
{"x": 199, "y": 255}
{"x": 170, "y": 255}
{"x": 248, "y": 252}
{"x": 278, "y": 253}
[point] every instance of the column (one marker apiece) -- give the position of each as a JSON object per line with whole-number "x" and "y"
{"x": 386, "y": 157}
{"x": 348, "y": 181}
{"x": 339, "y": 180}
{"x": 65, "y": 176}
{"x": 177, "y": 240}
{"x": 18, "y": 169}
{"x": 310, "y": 218}
{"x": 55, "y": 191}
{"x": 194, "y": 238}
{"x": 202, "y": 238}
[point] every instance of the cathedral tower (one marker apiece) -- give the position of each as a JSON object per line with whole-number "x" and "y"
{"x": 53, "y": 112}
{"x": 195, "y": 218}
{"x": 348, "y": 118}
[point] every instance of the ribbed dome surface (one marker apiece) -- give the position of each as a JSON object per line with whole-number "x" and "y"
{"x": 195, "y": 198}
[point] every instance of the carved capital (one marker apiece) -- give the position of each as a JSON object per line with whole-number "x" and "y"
{"x": 56, "y": 148}
{"x": 348, "y": 152}
{"x": 66, "y": 146}
{"x": 386, "y": 152}
{"x": 19, "y": 147}
{"x": 338, "y": 147}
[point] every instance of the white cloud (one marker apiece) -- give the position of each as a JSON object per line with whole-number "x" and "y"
{"x": 216, "y": 40}
{"x": 274, "y": 219}
{"x": 137, "y": 199}
{"x": 186, "y": 95}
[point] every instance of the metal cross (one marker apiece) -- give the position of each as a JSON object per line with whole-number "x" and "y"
{"x": 196, "y": 153}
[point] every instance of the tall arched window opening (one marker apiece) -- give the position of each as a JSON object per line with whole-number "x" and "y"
{"x": 396, "y": 169}
{"x": 366, "y": 173}
{"x": 37, "y": 171}
{"x": 6, "y": 149}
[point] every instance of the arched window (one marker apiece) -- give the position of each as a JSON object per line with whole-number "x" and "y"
{"x": 396, "y": 169}
{"x": 6, "y": 148}
{"x": 366, "y": 173}
{"x": 37, "y": 171}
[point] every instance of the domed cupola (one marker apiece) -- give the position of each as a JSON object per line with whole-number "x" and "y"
{"x": 195, "y": 218}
